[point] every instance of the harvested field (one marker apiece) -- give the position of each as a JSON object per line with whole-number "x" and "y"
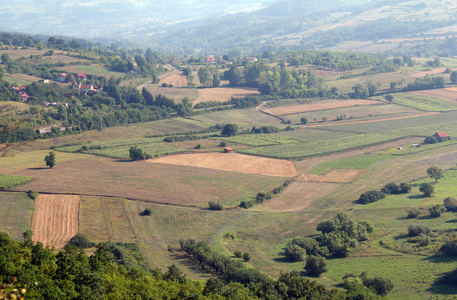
{"x": 177, "y": 79}
{"x": 25, "y": 77}
{"x": 175, "y": 93}
{"x": 446, "y": 94}
{"x": 299, "y": 195}
{"x": 286, "y": 110}
{"x": 156, "y": 183}
{"x": 233, "y": 162}
{"x": 55, "y": 219}
{"x": 429, "y": 72}
{"x": 223, "y": 94}
{"x": 335, "y": 175}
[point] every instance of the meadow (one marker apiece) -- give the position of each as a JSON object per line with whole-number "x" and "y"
{"x": 16, "y": 214}
{"x": 420, "y": 102}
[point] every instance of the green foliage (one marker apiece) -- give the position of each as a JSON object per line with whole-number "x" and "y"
{"x": 427, "y": 188}
{"x": 136, "y": 153}
{"x": 28, "y": 234}
{"x": 437, "y": 210}
{"x": 453, "y": 77}
{"x": 50, "y": 159}
{"x": 435, "y": 173}
{"x": 9, "y": 181}
{"x": 450, "y": 248}
{"x": 450, "y": 204}
{"x": 304, "y": 120}
{"x": 246, "y": 204}
{"x": 364, "y": 161}
{"x": 80, "y": 241}
{"x": 371, "y": 196}
{"x": 246, "y": 257}
{"x": 223, "y": 144}
{"x": 420, "y": 102}
{"x": 259, "y": 139}
{"x": 393, "y": 189}
{"x": 238, "y": 253}
{"x": 146, "y": 212}
{"x": 381, "y": 286}
{"x": 417, "y": 230}
{"x": 430, "y": 140}
{"x": 230, "y": 129}
{"x": 413, "y": 212}
{"x": 33, "y": 194}
{"x": 315, "y": 265}
{"x": 215, "y": 206}
{"x": 295, "y": 253}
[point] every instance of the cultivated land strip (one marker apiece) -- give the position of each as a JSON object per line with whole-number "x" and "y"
{"x": 55, "y": 219}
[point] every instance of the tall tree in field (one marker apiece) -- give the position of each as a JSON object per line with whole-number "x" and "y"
{"x": 50, "y": 159}
{"x": 435, "y": 173}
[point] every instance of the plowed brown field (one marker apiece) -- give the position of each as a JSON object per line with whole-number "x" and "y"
{"x": 295, "y": 109}
{"x": 177, "y": 79}
{"x": 446, "y": 94}
{"x": 299, "y": 195}
{"x": 233, "y": 162}
{"x": 223, "y": 94}
{"x": 336, "y": 175}
{"x": 55, "y": 219}
{"x": 429, "y": 72}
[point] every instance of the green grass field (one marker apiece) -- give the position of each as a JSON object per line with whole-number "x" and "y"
{"x": 356, "y": 162}
{"x": 17, "y": 81}
{"x": 8, "y": 181}
{"x": 423, "y": 103}
{"x": 245, "y": 118}
{"x": 15, "y": 214}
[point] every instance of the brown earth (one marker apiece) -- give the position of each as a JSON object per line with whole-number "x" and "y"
{"x": 233, "y": 162}
{"x": 285, "y": 110}
{"x": 449, "y": 94}
{"x": 223, "y": 94}
{"x": 55, "y": 219}
{"x": 177, "y": 79}
{"x": 430, "y": 72}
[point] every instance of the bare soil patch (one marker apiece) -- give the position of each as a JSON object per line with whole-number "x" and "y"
{"x": 449, "y": 94}
{"x": 223, "y": 94}
{"x": 335, "y": 175}
{"x": 299, "y": 195}
{"x": 233, "y": 162}
{"x": 430, "y": 72}
{"x": 286, "y": 110}
{"x": 177, "y": 79}
{"x": 55, "y": 219}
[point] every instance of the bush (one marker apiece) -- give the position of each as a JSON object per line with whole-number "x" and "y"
{"x": 199, "y": 146}
{"x": 381, "y": 286}
{"x": 164, "y": 84}
{"x": 136, "y": 153}
{"x": 146, "y": 212}
{"x": 295, "y": 253}
{"x": 414, "y": 212}
{"x": 215, "y": 206}
{"x": 223, "y": 144}
{"x": 371, "y": 196}
{"x": 315, "y": 265}
{"x": 237, "y": 253}
{"x": 427, "y": 189}
{"x": 437, "y": 210}
{"x": 246, "y": 204}
{"x": 430, "y": 140}
{"x": 450, "y": 248}
{"x": 80, "y": 241}
{"x": 32, "y": 194}
{"x": 393, "y": 189}
{"x": 246, "y": 257}
{"x": 417, "y": 230}
{"x": 28, "y": 234}
{"x": 450, "y": 204}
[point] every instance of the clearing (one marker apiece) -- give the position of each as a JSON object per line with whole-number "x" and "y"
{"x": 233, "y": 162}
{"x": 295, "y": 109}
{"x": 177, "y": 79}
{"x": 55, "y": 219}
{"x": 449, "y": 94}
{"x": 223, "y": 94}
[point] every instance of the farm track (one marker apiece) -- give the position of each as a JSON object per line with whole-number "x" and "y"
{"x": 55, "y": 219}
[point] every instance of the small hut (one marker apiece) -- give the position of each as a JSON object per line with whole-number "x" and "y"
{"x": 227, "y": 150}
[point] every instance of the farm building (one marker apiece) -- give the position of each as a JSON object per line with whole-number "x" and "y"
{"x": 441, "y": 136}
{"x": 62, "y": 77}
{"x": 81, "y": 76}
{"x": 227, "y": 150}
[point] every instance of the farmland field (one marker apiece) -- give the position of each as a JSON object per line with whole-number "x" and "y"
{"x": 232, "y": 162}
{"x": 286, "y": 110}
{"x": 421, "y": 102}
{"x": 8, "y": 181}
{"x": 223, "y": 94}
{"x": 356, "y": 162}
{"x": 93, "y": 69}
{"x": 55, "y": 219}
{"x": 175, "y": 93}
{"x": 176, "y": 79}
{"x": 155, "y": 183}
{"x": 258, "y": 139}
{"x": 15, "y": 214}
{"x": 446, "y": 94}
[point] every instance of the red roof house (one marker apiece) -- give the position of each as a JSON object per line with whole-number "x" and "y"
{"x": 211, "y": 60}
{"x": 81, "y": 76}
{"x": 441, "y": 136}
{"x": 62, "y": 77}
{"x": 227, "y": 150}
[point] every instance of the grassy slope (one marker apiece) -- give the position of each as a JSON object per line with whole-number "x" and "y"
{"x": 15, "y": 214}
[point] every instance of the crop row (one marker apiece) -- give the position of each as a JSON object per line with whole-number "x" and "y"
{"x": 123, "y": 152}
{"x": 9, "y": 181}
{"x": 422, "y": 102}
{"x": 356, "y": 162}
{"x": 258, "y": 139}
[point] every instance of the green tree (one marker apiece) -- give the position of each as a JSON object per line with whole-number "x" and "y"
{"x": 5, "y": 58}
{"x": 315, "y": 265}
{"x": 453, "y": 77}
{"x": 230, "y": 129}
{"x": 437, "y": 210}
{"x": 450, "y": 204}
{"x": 304, "y": 120}
{"x": 295, "y": 253}
{"x": 427, "y": 189}
{"x": 136, "y": 153}
{"x": 389, "y": 98}
{"x": 435, "y": 173}
{"x": 237, "y": 253}
{"x": 246, "y": 256}
{"x": 50, "y": 159}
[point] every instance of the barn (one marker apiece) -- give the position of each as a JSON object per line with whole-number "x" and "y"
{"x": 441, "y": 136}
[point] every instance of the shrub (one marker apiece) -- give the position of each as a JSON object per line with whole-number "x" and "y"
{"x": 315, "y": 265}
{"x": 430, "y": 140}
{"x": 450, "y": 204}
{"x": 237, "y": 253}
{"x": 199, "y": 146}
{"x": 215, "y": 206}
{"x": 427, "y": 189}
{"x": 164, "y": 84}
{"x": 295, "y": 253}
{"x": 391, "y": 188}
{"x": 246, "y": 204}
{"x": 246, "y": 257}
{"x": 28, "y": 234}
{"x": 416, "y": 230}
{"x": 304, "y": 120}
{"x": 32, "y": 194}
{"x": 223, "y": 144}
{"x": 381, "y": 286}
{"x": 136, "y": 153}
{"x": 371, "y": 196}
{"x": 80, "y": 241}
{"x": 146, "y": 212}
{"x": 450, "y": 248}
{"x": 437, "y": 210}
{"x": 414, "y": 212}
